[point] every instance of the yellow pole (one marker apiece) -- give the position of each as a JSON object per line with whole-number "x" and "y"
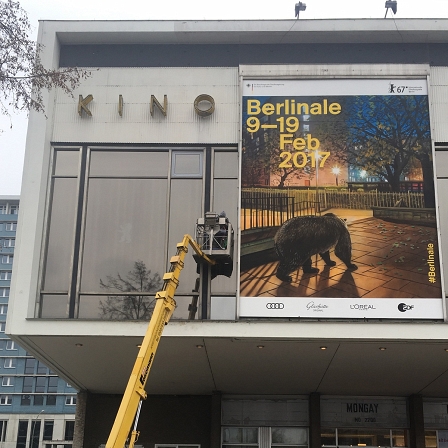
{"x": 135, "y": 389}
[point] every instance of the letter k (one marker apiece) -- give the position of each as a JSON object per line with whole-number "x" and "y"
{"x": 82, "y": 105}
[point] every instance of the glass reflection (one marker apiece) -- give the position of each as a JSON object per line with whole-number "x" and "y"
{"x": 133, "y": 303}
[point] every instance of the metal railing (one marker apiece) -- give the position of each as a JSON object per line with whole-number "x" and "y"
{"x": 266, "y": 207}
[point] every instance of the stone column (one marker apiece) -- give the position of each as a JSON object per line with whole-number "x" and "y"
{"x": 314, "y": 411}
{"x": 416, "y": 422}
{"x": 215, "y": 424}
{"x": 80, "y": 419}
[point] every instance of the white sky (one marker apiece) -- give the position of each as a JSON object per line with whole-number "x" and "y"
{"x": 12, "y": 141}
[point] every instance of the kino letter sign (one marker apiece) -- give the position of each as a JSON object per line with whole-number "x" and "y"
{"x": 337, "y": 200}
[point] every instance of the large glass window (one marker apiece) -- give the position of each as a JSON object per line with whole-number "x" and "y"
{"x": 48, "y": 430}
{"x": 113, "y": 220}
{"x": 27, "y": 384}
{"x": 69, "y": 430}
{"x": 106, "y": 216}
{"x": 41, "y": 368}
{"x": 22, "y": 434}
{"x": 51, "y": 400}
{"x": 52, "y": 384}
{"x": 364, "y": 437}
{"x": 29, "y": 365}
{"x": 40, "y": 384}
{"x": 242, "y": 437}
{"x": 289, "y": 437}
{"x": 239, "y": 437}
{"x": 3, "y": 426}
{"x": 35, "y": 434}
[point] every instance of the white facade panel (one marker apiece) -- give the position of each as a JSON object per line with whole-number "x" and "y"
{"x": 442, "y": 185}
{"x": 439, "y": 105}
{"x": 136, "y": 85}
{"x": 338, "y": 70}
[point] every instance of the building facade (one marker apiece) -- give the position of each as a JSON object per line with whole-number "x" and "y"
{"x": 267, "y": 121}
{"x": 37, "y": 408}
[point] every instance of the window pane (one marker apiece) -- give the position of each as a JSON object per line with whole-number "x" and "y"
{"x": 52, "y": 384}
{"x": 129, "y": 164}
{"x": 38, "y": 400}
{"x": 225, "y": 164}
{"x": 35, "y": 434}
{"x": 29, "y": 366}
{"x": 184, "y": 191}
{"x": 66, "y": 163}
{"x": 54, "y": 305}
{"x": 60, "y": 239}
{"x": 41, "y": 368}
{"x": 9, "y": 363}
{"x": 27, "y": 384}
{"x": 187, "y": 164}
{"x": 368, "y": 437}
{"x": 51, "y": 400}
{"x": 48, "y": 430}
{"x": 22, "y": 433}
{"x": 290, "y": 436}
{"x": 121, "y": 230}
{"x": 8, "y": 381}
{"x": 115, "y": 307}
{"x": 3, "y": 426}
{"x": 430, "y": 439}
{"x": 328, "y": 437}
{"x": 240, "y": 435}
{"x": 5, "y": 399}
{"x": 238, "y": 446}
{"x": 69, "y": 430}
{"x": 40, "y": 384}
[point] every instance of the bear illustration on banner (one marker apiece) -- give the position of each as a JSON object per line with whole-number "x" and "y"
{"x": 299, "y": 238}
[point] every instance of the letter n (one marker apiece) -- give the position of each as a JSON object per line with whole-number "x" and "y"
{"x": 159, "y": 106}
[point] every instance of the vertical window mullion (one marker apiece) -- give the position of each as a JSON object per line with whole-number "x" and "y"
{"x": 73, "y": 292}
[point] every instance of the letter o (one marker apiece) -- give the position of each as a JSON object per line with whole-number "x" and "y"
{"x": 204, "y": 98}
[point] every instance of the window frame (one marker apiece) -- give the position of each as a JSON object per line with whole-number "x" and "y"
{"x": 4, "y": 292}
{"x": 9, "y": 363}
{"x": 10, "y": 344}
{"x": 8, "y": 381}
{"x": 69, "y": 430}
{"x": 70, "y": 400}
{"x": 7, "y": 258}
{"x": 5, "y": 400}
{"x": 5, "y": 275}
{"x": 10, "y": 226}
{"x": 9, "y": 242}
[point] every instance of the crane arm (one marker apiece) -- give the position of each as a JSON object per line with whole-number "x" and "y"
{"x": 165, "y": 305}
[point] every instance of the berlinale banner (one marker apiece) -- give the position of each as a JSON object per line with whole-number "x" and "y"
{"x": 338, "y": 212}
